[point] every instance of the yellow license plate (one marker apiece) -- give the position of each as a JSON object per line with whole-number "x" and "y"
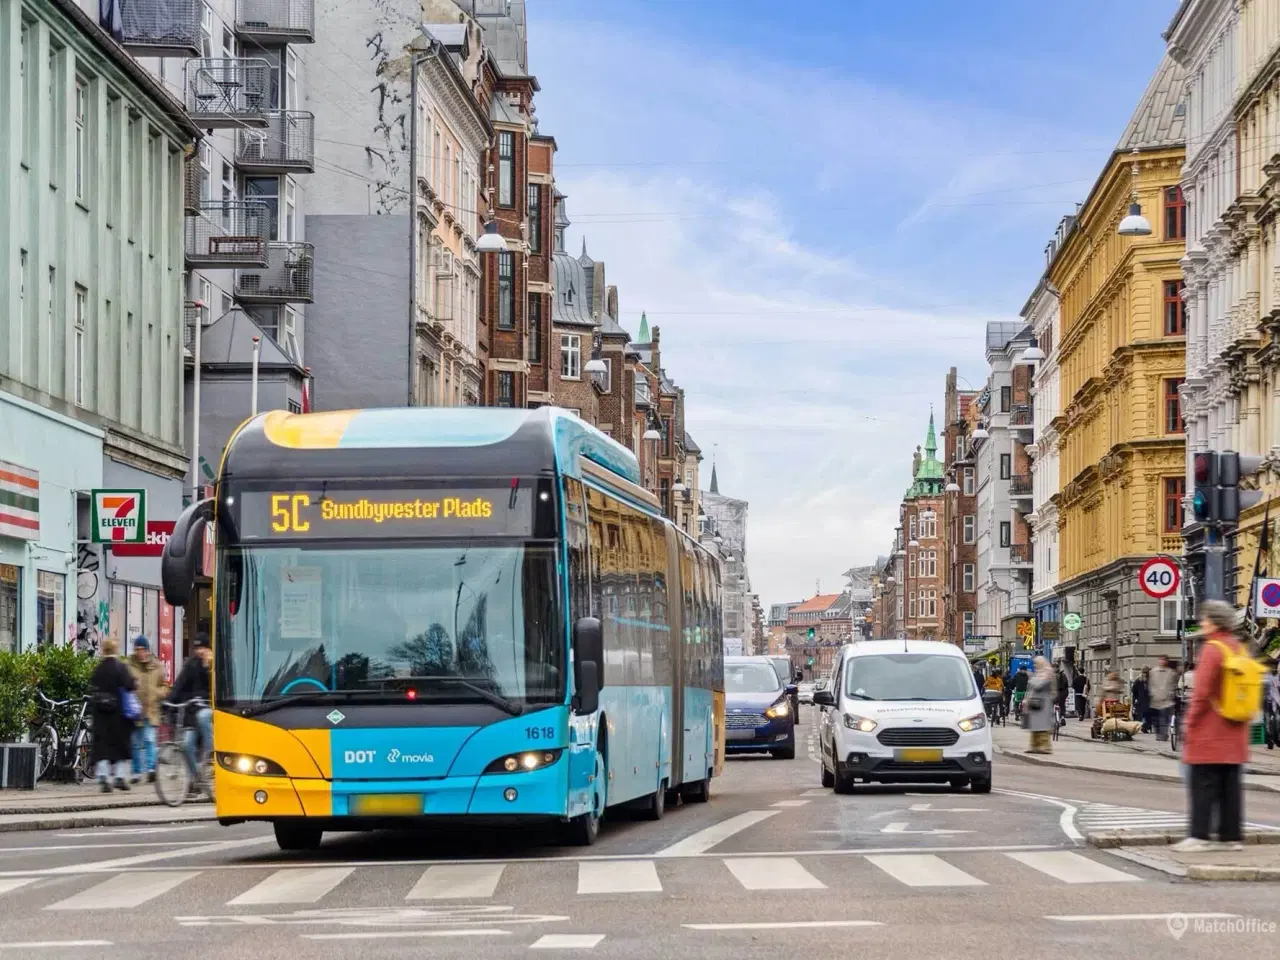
{"x": 387, "y": 805}
{"x": 919, "y": 755}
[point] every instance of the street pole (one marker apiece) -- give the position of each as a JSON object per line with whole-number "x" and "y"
{"x": 414, "y": 60}
{"x": 196, "y": 335}
{"x": 253, "y": 387}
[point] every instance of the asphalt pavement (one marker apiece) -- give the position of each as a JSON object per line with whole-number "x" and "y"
{"x": 773, "y": 866}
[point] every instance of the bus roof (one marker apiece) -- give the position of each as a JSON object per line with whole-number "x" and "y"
{"x": 436, "y": 441}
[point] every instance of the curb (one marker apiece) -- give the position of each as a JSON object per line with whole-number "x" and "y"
{"x": 84, "y": 821}
{"x": 1207, "y": 871}
{"x": 56, "y": 809}
{"x": 1151, "y": 863}
{"x": 1110, "y": 839}
{"x": 1161, "y": 777}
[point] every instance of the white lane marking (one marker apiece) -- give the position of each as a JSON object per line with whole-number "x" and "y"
{"x": 457, "y": 881}
{"x": 47, "y": 944}
{"x": 768, "y": 873}
{"x": 1066, "y": 821}
{"x": 901, "y": 827}
{"x": 819, "y": 792}
{"x": 922, "y": 807}
{"x": 1106, "y": 917}
{"x": 782, "y": 925}
{"x": 123, "y": 891}
{"x": 101, "y": 846}
{"x": 789, "y": 803}
{"x": 293, "y": 886}
{"x": 124, "y": 863}
{"x": 1072, "y": 868}
{"x": 567, "y": 941}
{"x": 623, "y": 876}
{"x": 717, "y": 833}
{"x": 404, "y": 934}
{"x": 132, "y": 831}
{"x": 924, "y": 870}
{"x": 13, "y": 883}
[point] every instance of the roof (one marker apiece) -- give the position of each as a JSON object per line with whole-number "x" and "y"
{"x": 816, "y": 604}
{"x": 572, "y": 304}
{"x": 872, "y": 648}
{"x": 503, "y": 112}
{"x": 1161, "y": 116}
{"x": 689, "y": 445}
{"x": 229, "y": 340}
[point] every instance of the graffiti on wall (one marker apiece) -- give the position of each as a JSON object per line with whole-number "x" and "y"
{"x": 391, "y": 131}
{"x": 92, "y": 611}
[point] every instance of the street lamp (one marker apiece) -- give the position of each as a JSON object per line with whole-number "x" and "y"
{"x": 1135, "y": 224}
{"x": 953, "y": 487}
{"x": 491, "y": 241}
{"x": 980, "y": 433}
{"x": 595, "y": 364}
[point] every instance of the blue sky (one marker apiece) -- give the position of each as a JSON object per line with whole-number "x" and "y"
{"x": 821, "y": 203}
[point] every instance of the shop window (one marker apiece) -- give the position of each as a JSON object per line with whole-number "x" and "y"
{"x": 10, "y": 607}
{"x": 51, "y": 623}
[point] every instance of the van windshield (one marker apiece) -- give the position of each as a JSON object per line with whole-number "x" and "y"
{"x": 909, "y": 676}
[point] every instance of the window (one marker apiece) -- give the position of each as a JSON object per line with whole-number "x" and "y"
{"x": 25, "y": 75}
{"x": 291, "y": 98}
{"x": 968, "y": 624}
{"x": 970, "y": 524}
{"x": 960, "y": 448}
{"x": 1173, "y": 406}
{"x": 911, "y": 566}
{"x": 51, "y": 309}
{"x": 82, "y": 138}
{"x": 1006, "y": 533}
{"x": 77, "y": 348}
{"x": 22, "y": 314}
{"x": 506, "y": 169}
{"x": 929, "y": 563}
{"x": 265, "y": 190}
{"x": 968, "y": 481}
{"x": 1006, "y": 466}
{"x": 1175, "y": 311}
{"x": 436, "y": 154}
{"x": 506, "y": 291}
{"x": 535, "y": 328}
{"x": 1175, "y": 214}
{"x": 10, "y": 606}
{"x": 506, "y": 392}
{"x": 605, "y": 380}
{"x": 911, "y": 604}
{"x": 666, "y": 436}
{"x": 1006, "y": 399}
{"x": 1174, "y": 489}
{"x": 928, "y": 527}
{"x": 570, "y": 356}
{"x": 912, "y": 529}
{"x": 970, "y": 576}
{"x": 535, "y": 217}
{"x": 290, "y": 210}
{"x": 929, "y": 603}
{"x": 1170, "y": 612}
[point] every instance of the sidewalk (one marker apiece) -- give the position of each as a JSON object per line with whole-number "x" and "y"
{"x": 1257, "y": 861}
{"x": 1122, "y": 760}
{"x": 58, "y": 806}
{"x": 1262, "y": 761}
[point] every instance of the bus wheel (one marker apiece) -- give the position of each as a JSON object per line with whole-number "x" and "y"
{"x": 655, "y": 805}
{"x": 699, "y": 792}
{"x": 583, "y": 830}
{"x": 297, "y": 836}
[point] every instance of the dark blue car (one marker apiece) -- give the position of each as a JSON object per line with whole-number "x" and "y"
{"x": 758, "y": 712}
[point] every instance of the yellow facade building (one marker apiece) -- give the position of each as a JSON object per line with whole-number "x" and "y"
{"x": 1122, "y": 362}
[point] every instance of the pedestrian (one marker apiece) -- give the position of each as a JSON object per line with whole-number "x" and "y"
{"x": 1140, "y": 692}
{"x": 1037, "y": 709}
{"x": 1062, "y": 690}
{"x": 1020, "y": 681}
{"x": 1080, "y": 686}
{"x": 148, "y": 672}
{"x": 1214, "y": 748}
{"x": 1161, "y": 686}
{"x": 1271, "y": 705}
{"x": 111, "y": 685}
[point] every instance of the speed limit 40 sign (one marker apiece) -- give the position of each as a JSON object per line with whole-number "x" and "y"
{"x": 1159, "y": 578}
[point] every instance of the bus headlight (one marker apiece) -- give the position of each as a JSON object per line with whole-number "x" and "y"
{"x": 249, "y": 765}
{"x": 524, "y": 762}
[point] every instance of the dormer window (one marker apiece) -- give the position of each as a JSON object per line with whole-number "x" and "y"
{"x": 568, "y": 294}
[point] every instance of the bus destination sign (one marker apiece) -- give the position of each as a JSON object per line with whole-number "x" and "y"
{"x": 377, "y": 514}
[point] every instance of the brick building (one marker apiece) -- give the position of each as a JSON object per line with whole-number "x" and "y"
{"x": 960, "y": 514}
{"x": 922, "y": 523}
{"x": 821, "y": 614}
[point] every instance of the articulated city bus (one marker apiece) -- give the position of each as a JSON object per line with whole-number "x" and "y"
{"x": 427, "y": 612}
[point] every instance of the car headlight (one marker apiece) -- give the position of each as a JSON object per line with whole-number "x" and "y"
{"x": 249, "y": 765}
{"x": 780, "y": 709}
{"x": 976, "y": 722}
{"x": 525, "y": 762}
{"x": 861, "y": 724}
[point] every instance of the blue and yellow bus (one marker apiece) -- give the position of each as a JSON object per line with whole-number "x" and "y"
{"x": 432, "y": 613}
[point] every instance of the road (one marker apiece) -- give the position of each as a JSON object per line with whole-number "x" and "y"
{"x": 773, "y": 866}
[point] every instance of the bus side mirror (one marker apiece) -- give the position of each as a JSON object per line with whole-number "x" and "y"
{"x": 182, "y": 553}
{"x": 588, "y": 663}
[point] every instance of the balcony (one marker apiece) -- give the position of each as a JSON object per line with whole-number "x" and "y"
{"x": 1171, "y": 544}
{"x": 161, "y": 28}
{"x": 224, "y": 235}
{"x": 270, "y": 22}
{"x": 1020, "y": 485}
{"x": 229, "y": 92}
{"x": 1022, "y": 416}
{"x": 288, "y": 276}
{"x": 287, "y": 145}
{"x": 1020, "y": 555}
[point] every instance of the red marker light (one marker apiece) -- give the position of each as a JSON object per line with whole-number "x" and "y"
{"x": 411, "y": 694}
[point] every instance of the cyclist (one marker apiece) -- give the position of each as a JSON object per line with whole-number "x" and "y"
{"x": 1020, "y": 681}
{"x": 193, "y": 684}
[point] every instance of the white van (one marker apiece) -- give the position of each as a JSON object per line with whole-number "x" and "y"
{"x": 903, "y": 711}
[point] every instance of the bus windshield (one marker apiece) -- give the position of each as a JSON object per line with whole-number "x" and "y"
{"x": 450, "y": 622}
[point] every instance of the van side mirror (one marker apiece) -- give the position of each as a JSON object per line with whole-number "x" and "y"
{"x": 588, "y": 663}
{"x": 181, "y": 556}
{"x": 823, "y": 698}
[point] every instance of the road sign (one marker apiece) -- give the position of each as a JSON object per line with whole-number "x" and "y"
{"x": 1159, "y": 578}
{"x": 119, "y": 516}
{"x": 1072, "y": 621}
{"x": 1267, "y": 602}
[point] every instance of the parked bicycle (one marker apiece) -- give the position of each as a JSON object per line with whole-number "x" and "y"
{"x": 69, "y": 755}
{"x": 175, "y": 782}
{"x": 1175, "y": 723}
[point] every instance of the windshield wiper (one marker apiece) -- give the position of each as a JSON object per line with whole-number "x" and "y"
{"x": 860, "y": 696}
{"x": 497, "y": 699}
{"x": 313, "y": 698}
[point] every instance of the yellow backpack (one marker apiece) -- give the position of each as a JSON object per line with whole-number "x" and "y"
{"x": 1240, "y": 690}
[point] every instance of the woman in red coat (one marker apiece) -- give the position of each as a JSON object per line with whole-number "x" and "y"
{"x": 1214, "y": 749}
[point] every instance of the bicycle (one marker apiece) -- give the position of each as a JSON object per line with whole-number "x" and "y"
{"x": 1058, "y": 720}
{"x": 69, "y": 755}
{"x": 1174, "y": 723}
{"x": 174, "y": 783}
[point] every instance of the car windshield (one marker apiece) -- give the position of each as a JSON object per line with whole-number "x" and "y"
{"x": 909, "y": 676}
{"x": 455, "y": 621}
{"x": 750, "y": 678}
{"x": 782, "y": 667}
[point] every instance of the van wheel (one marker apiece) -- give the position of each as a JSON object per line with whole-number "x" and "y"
{"x": 842, "y": 783}
{"x": 297, "y": 836}
{"x": 958, "y": 784}
{"x": 828, "y": 780}
{"x": 980, "y": 786}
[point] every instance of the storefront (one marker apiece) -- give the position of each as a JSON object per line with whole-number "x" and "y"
{"x": 1048, "y": 630}
{"x": 48, "y": 465}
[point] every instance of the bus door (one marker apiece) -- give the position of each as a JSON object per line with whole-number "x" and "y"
{"x": 675, "y": 652}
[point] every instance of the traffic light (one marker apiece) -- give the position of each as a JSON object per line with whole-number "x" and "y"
{"x": 1204, "y": 502}
{"x": 812, "y": 633}
{"x": 1232, "y": 500}
{"x": 811, "y": 661}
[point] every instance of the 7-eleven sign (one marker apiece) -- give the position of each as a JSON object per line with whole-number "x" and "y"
{"x": 119, "y": 516}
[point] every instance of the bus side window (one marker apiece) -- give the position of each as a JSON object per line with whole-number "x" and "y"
{"x": 579, "y": 558}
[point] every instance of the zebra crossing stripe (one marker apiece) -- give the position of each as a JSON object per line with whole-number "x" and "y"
{"x": 293, "y": 886}
{"x": 620, "y": 876}
{"x": 924, "y": 870}
{"x": 457, "y": 881}
{"x": 1070, "y": 867}
{"x": 773, "y": 873}
{"x": 124, "y": 891}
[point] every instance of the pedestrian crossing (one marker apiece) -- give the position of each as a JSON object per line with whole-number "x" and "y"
{"x": 312, "y": 886}
{"x": 1095, "y": 817}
